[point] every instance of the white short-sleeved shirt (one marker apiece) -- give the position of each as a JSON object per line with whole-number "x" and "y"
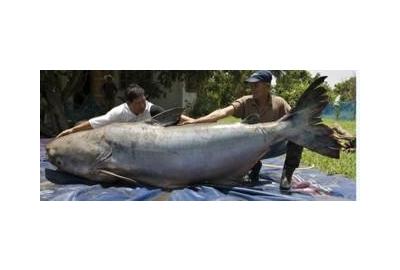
{"x": 119, "y": 114}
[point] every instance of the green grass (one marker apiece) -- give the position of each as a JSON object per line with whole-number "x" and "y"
{"x": 229, "y": 120}
{"x": 350, "y": 126}
{"x": 346, "y": 165}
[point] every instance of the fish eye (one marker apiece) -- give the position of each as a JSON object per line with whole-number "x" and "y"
{"x": 58, "y": 162}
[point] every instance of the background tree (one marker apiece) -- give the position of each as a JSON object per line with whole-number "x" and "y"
{"x": 346, "y": 89}
{"x": 347, "y": 92}
{"x": 291, "y": 84}
{"x": 56, "y": 87}
{"x": 219, "y": 88}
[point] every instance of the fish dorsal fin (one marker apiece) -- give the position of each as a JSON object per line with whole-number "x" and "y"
{"x": 251, "y": 119}
{"x": 167, "y": 118}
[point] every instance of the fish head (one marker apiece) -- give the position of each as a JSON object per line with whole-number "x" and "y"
{"x": 75, "y": 153}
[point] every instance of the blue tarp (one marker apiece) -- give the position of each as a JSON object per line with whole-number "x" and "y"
{"x": 58, "y": 186}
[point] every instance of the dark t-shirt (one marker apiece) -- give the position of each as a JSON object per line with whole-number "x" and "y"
{"x": 109, "y": 89}
{"x": 275, "y": 108}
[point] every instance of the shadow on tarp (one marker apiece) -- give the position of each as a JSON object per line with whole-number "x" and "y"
{"x": 63, "y": 178}
{"x": 60, "y": 186}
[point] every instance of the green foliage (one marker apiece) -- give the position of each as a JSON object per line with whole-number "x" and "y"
{"x": 219, "y": 90}
{"x": 346, "y": 89}
{"x": 291, "y": 84}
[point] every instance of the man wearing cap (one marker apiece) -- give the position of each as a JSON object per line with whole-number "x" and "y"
{"x": 270, "y": 108}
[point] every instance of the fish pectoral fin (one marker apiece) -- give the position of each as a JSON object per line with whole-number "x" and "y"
{"x": 251, "y": 119}
{"x": 126, "y": 179}
{"x": 167, "y": 118}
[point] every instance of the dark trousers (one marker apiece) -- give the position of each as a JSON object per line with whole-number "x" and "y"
{"x": 109, "y": 103}
{"x": 293, "y": 156}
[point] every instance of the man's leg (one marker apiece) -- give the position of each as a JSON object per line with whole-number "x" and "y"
{"x": 292, "y": 161}
{"x": 254, "y": 174}
{"x": 275, "y": 151}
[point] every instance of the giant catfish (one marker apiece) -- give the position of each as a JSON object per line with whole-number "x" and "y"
{"x": 155, "y": 153}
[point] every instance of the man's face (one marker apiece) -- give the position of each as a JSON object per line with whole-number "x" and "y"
{"x": 259, "y": 89}
{"x": 138, "y": 105}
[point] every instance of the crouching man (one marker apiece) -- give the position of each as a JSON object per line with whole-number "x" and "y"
{"x": 270, "y": 108}
{"x": 135, "y": 109}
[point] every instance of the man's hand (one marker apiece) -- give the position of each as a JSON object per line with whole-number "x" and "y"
{"x": 65, "y": 132}
{"x": 83, "y": 125}
{"x": 187, "y": 122}
{"x": 210, "y": 118}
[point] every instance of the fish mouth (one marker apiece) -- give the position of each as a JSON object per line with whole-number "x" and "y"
{"x": 52, "y": 156}
{"x": 50, "y": 151}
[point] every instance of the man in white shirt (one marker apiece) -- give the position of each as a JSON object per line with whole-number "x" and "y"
{"x": 136, "y": 108}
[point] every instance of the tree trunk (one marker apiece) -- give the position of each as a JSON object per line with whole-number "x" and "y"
{"x": 56, "y": 108}
{"x": 57, "y": 88}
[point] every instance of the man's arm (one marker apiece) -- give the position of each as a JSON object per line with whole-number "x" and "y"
{"x": 96, "y": 122}
{"x": 212, "y": 117}
{"x": 82, "y": 126}
{"x": 185, "y": 118}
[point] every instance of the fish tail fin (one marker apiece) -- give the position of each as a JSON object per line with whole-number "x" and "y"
{"x": 306, "y": 124}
